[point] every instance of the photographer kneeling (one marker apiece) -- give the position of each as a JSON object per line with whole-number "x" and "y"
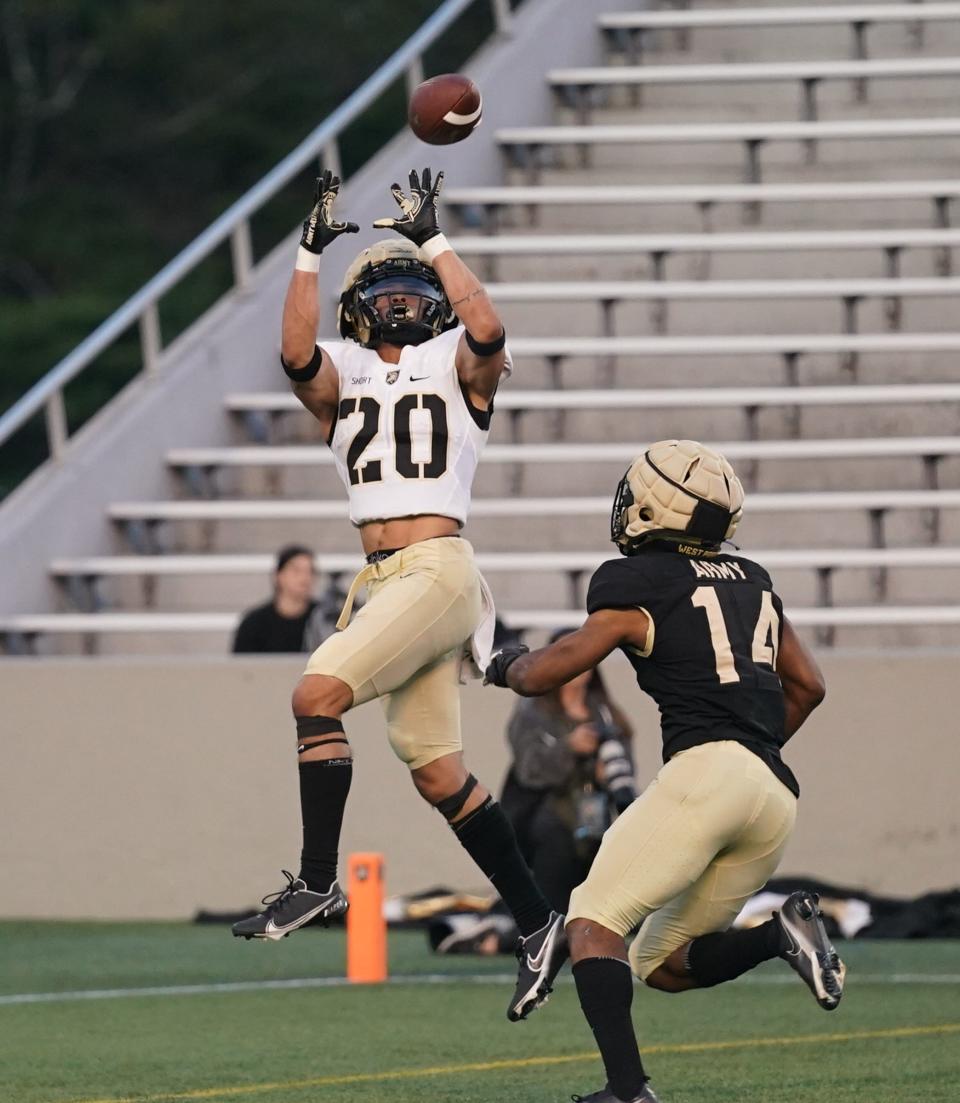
{"x": 572, "y": 773}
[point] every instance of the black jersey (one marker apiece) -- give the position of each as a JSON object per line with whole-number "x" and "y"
{"x": 710, "y": 656}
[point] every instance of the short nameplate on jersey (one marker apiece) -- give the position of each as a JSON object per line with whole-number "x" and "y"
{"x": 695, "y": 549}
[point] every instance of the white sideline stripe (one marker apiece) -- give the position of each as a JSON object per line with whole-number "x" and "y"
{"x": 228, "y": 987}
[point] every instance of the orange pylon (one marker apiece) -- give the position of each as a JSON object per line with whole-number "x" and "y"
{"x": 366, "y": 926}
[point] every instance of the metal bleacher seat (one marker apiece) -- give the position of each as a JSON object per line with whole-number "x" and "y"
{"x": 580, "y": 452}
{"x": 578, "y": 562}
{"x": 522, "y": 144}
{"x": 662, "y": 397}
{"x": 575, "y": 85}
{"x": 26, "y": 625}
{"x": 247, "y": 509}
{"x": 658, "y": 246}
{"x": 628, "y": 30}
{"x": 608, "y": 294}
{"x": 491, "y": 200}
{"x": 259, "y": 411}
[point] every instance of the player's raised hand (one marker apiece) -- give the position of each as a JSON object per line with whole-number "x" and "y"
{"x": 320, "y": 227}
{"x": 418, "y": 221}
{"x": 496, "y": 672}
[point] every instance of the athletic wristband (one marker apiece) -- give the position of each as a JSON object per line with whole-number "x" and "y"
{"x": 486, "y": 348}
{"x": 305, "y": 374}
{"x": 307, "y": 261}
{"x": 433, "y": 247}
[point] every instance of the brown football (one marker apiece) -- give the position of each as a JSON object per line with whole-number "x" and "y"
{"x": 445, "y": 109}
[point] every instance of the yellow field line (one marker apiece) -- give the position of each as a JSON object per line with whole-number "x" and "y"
{"x": 525, "y": 1062}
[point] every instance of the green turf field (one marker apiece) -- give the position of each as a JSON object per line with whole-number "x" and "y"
{"x": 760, "y": 1039}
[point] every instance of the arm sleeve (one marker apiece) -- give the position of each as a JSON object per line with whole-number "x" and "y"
{"x": 541, "y": 758}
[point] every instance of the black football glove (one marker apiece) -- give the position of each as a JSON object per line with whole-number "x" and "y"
{"x": 419, "y": 220}
{"x": 320, "y": 228}
{"x": 496, "y": 672}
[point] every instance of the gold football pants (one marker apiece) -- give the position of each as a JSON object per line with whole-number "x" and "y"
{"x": 405, "y": 645}
{"x": 704, "y": 836}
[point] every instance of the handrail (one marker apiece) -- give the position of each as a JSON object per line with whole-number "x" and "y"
{"x": 234, "y": 223}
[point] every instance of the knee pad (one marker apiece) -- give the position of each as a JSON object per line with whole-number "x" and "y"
{"x": 451, "y": 806}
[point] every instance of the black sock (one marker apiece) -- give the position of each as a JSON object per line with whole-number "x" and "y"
{"x": 724, "y": 955}
{"x": 488, "y": 838}
{"x": 605, "y": 988}
{"x": 324, "y": 786}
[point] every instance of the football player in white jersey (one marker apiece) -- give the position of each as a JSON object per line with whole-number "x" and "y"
{"x": 405, "y": 403}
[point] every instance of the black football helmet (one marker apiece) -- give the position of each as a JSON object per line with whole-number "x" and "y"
{"x": 390, "y": 296}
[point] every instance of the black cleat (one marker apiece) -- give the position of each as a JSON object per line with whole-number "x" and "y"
{"x": 541, "y": 955}
{"x": 291, "y": 908}
{"x": 605, "y": 1095}
{"x": 808, "y": 950}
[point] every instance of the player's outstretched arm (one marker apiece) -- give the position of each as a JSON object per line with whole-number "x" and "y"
{"x": 481, "y": 356}
{"x": 312, "y": 374}
{"x": 801, "y": 678}
{"x": 532, "y": 673}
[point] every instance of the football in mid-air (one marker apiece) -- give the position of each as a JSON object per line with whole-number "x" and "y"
{"x": 445, "y": 109}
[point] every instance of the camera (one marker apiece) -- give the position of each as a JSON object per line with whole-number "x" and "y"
{"x": 617, "y": 767}
{"x": 596, "y": 805}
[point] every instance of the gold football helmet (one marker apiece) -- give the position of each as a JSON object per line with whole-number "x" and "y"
{"x": 677, "y": 490}
{"x": 391, "y": 296}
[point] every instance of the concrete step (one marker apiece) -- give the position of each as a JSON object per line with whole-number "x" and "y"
{"x": 860, "y": 263}
{"x": 734, "y": 317}
{"x": 582, "y": 478}
{"x": 548, "y": 589}
{"x": 906, "y": 528}
{"x": 218, "y": 642}
{"x": 705, "y": 46}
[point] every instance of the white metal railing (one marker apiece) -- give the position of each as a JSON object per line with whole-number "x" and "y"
{"x": 142, "y": 309}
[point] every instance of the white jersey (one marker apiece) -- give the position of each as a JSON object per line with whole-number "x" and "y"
{"x": 407, "y": 439}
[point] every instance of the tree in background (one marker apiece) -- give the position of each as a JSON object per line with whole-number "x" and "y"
{"x": 127, "y": 127}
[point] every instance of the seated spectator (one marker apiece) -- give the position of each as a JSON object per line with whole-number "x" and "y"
{"x": 293, "y": 620}
{"x": 571, "y": 772}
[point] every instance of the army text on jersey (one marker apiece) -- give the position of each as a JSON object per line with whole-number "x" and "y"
{"x": 711, "y": 650}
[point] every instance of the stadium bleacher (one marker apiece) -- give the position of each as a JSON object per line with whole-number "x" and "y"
{"x": 843, "y": 422}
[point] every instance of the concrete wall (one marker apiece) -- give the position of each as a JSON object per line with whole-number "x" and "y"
{"x": 130, "y": 789}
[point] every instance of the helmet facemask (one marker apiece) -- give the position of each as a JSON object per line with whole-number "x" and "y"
{"x": 680, "y": 492}
{"x": 393, "y": 300}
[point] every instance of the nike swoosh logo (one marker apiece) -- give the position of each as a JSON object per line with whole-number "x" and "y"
{"x": 417, "y": 378}
{"x": 332, "y": 906}
{"x": 794, "y": 949}
{"x": 536, "y": 963}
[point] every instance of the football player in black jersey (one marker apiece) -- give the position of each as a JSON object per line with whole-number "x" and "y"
{"x": 707, "y": 637}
